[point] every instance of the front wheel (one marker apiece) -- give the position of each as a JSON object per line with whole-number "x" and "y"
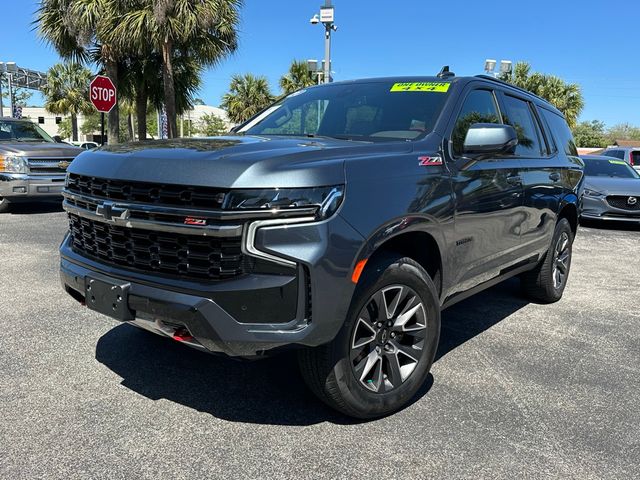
{"x": 384, "y": 352}
{"x": 546, "y": 282}
{"x": 4, "y": 205}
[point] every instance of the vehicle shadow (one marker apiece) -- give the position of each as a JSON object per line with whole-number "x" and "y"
{"x": 631, "y": 226}
{"x": 29, "y": 208}
{"x": 268, "y": 391}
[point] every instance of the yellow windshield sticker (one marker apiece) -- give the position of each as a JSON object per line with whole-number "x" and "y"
{"x": 617, "y": 162}
{"x": 421, "y": 87}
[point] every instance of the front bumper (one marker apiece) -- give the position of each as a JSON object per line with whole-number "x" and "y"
{"x": 597, "y": 208}
{"x": 251, "y": 314}
{"x": 16, "y": 186}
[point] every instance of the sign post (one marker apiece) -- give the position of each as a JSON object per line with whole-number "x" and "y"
{"x": 102, "y": 93}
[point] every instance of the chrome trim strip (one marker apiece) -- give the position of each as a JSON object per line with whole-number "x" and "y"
{"x": 195, "y": 212}
{"x": 123, "y": 219}
{"x": 248, "y": 243}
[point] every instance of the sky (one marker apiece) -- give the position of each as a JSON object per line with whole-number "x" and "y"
{"x": 415, "y": 37}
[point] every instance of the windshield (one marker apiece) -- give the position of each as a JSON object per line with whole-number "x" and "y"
{"x": 22, "y": 132}
{"x": 376, "y": 111}
{"x": 608, "y": 168}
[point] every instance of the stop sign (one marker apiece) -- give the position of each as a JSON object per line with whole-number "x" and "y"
{"x": 102, "y": 93}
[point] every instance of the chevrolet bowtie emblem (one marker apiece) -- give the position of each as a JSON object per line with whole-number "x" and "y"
{"x": 63, "y": 164}
{"x": 109, "y": 211}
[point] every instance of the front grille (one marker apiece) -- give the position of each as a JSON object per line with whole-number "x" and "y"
{"x": 148, "y": 193}
{"x": 44, "y": 166}
{"x": 622, "y": 202}
{"x": 185, "y": 256}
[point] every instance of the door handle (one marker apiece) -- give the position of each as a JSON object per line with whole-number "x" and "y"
{"x": 514, "y": 180}
{"x": 555, "y": 176}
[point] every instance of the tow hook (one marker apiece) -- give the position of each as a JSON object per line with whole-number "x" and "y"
{"x": 182, "y": 335}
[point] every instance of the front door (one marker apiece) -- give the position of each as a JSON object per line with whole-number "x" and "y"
{"x": 488, "y": 197}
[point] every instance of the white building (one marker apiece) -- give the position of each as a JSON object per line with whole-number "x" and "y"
{"x": 49, "y": 122}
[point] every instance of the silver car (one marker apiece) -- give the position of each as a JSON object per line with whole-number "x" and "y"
{"x": 611, "y": 190}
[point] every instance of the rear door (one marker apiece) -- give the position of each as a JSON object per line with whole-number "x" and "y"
{"x": 541, "y": 172}
{"x": 488, "y": 196}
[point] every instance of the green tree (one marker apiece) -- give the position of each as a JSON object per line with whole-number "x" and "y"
{"x": 65, "y": 129}
{"x": 566, "y": 97}
{"x": 202, "y": 30}
{"x": 210, "y": 124}
{"x": 91, "y": 123}
{"x": 78, "y": 30}
{"x": 20, "y": 95}
{"x": 247, "y": 95}
{"x": 67, "y": 92}
{"x": 622, "y": 131}
{"x": 590, "y": 134}
{"x": 296, "y": 78}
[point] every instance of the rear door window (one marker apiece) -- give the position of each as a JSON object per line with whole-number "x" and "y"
{"x": 479, "y": 107}
{"x": 518, "y": 114}
{"x": 635, "y": 157}
{"x": 560, "y": 131}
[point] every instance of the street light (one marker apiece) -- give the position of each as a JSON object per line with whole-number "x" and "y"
{"x": 489, "y": 66}
{"x": 326, "y": 17}
{"x": 506, "y": 67}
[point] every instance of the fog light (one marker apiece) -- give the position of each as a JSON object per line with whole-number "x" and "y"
{"x": 19, "y": 189}
{"x": 43, "y": 189}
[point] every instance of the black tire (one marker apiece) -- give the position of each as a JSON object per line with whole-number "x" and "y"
{"x": 546, "y": 282}
{"x": 4, "y": 205}
{"x": 330, "y": 370}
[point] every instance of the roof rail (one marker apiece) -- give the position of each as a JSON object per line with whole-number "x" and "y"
{"x": 515, "y": 87}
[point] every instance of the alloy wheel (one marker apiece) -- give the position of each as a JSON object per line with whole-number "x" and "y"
{"x": 562, "y": 256}
{"x": 388, "y": 338}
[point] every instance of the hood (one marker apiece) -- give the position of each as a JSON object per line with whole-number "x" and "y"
{"x": 614, "y": 186}
{"x": 43, "y": 149}
{"x": 231, "y": 161}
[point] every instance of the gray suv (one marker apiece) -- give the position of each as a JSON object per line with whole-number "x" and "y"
{"x": 631, "y": 155}
{"x": 340, "y": 222}
{"x": 32, "y": 164}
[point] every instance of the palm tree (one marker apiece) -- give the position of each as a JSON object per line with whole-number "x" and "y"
{"x": 77, "y": 30}
{"x": 566, "y": 97}
{"x": 67, "y": 92}
{"x": 247, "y": 95}
{"x": 204, "y": 30}
{"x": 297, "y": 78}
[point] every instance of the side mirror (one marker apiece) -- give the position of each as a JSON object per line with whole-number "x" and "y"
{"x": 57, "y": 138}
{"x": 490, "y": 139}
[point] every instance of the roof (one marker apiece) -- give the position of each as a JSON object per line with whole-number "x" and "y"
{"x": 627, "y": 143}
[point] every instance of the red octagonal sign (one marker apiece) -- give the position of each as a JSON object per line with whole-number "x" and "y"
{"x": 102, "y": 93}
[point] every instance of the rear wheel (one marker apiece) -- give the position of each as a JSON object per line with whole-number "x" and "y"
{"x": 546, "y": 282}
{"x": 4, "y": 205}
{"x": 383, "y": 353}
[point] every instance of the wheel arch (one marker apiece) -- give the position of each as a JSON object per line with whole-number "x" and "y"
{"x": 569, "y": 210}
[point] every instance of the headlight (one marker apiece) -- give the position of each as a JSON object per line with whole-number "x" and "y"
{"x": 592, "y": 193}
{"x": 325, "y": 200}
{"x": 13, "y": 164}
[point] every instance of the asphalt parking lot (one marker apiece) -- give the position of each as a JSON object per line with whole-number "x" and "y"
{"x": 518, "y": 389}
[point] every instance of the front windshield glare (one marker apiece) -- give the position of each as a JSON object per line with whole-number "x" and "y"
{"x": 22, "y": 132}
{"x": 376, "y": 111}
{"x": 609, "y": 168}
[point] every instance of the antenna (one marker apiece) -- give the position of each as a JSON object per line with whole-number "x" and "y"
{"x": 445, "y": 73}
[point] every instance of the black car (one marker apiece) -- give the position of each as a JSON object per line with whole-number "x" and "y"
{"x": 340, "y": 221}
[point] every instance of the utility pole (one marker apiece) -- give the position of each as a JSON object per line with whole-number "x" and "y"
{"x": 326, "y": 18}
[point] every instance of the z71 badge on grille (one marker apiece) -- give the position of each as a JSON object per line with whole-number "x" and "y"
{"x": 195, "y": 221}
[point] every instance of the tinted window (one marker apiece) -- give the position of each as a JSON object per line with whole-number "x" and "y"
{"x": 478, "y": 107}
{"x": 560, "y": 131}
{"x": 635, "y": 156}
{"x": 22, "y": 132}
{"x": 377, "y": 111}
{"x": 518, "y": 114}
{"x": 620, "y": 154}
{"x": 608, "y": 168}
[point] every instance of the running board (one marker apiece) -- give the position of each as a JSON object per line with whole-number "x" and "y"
{"x": 505, "y": 274}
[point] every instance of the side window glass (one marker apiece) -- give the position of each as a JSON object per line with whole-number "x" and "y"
{"x": 479, "y": 107}
{"x": 518, "y": 114}
{"x": 560, "y": 132}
